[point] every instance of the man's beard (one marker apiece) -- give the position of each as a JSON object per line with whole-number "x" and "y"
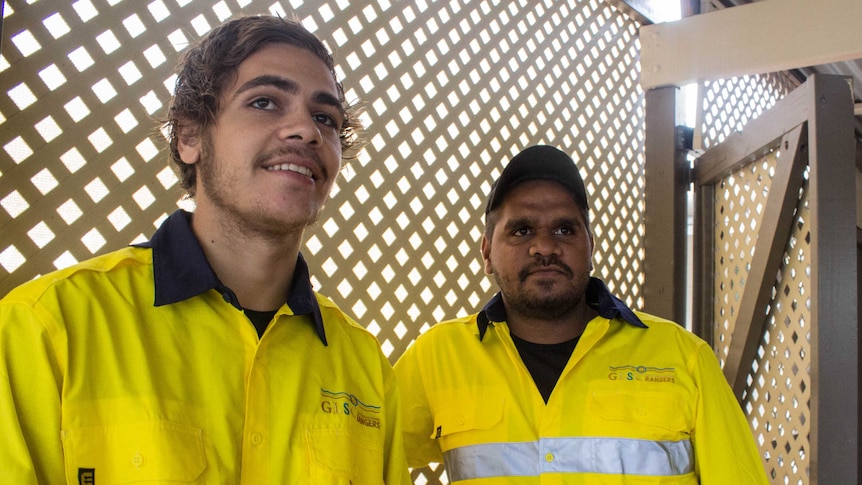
{"x": 542, "y": 302}
{"x": 216, "y": 182}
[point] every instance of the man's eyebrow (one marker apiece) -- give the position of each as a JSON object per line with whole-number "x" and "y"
{"x": 518, "y": 222}
{"x": 529, "y": 222}
{"x": 284, "y": 84}
{"x": 322, "y": 97}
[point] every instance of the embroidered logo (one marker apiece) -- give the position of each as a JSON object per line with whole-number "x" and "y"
{"x": 642, "y": 373}
{"x": 86, "y": 476}
{"x": 349, "y": 405}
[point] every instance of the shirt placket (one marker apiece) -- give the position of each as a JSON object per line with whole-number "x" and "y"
{"x": 257, "y": 440}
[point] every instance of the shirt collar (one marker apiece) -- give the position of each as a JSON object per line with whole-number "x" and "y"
{"x": 181, "y": 271}
{"x": 598, "y": 296}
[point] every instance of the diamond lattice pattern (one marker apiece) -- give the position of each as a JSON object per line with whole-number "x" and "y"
{"x": 777, "y": 394}
{"x": 452, "y": 90}
{"x": 728, "y": 104}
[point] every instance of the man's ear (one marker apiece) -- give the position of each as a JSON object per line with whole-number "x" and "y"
{"x": 189, "y": 145}
{"x": 486, "y": 255}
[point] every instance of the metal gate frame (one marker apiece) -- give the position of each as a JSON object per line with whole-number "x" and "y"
{"x": 814, "y": 124}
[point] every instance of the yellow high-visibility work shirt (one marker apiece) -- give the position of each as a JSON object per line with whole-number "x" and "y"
{"x": 99, "y": 385}
{"x": 640, "y": 401}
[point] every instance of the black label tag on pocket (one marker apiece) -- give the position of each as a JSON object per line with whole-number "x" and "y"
{"x": 86, "y": 476}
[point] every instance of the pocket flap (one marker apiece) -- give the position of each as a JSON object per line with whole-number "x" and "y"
{"x": 469, "y": 414}
{"x": 643, "y": 408}
{"x": 146, "y": 451}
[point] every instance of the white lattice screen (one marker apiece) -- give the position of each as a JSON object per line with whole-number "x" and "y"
{"x": 452, "y": 91}
{"x": 728, "y": 104}
{"x": 777, "y": 396}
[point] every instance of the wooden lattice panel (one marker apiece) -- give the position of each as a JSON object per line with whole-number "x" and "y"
{"x": 777, "y": 395}
{"x": 80, "y": 172}
{"x": 511, "y": 76}
{"x": 777, "y": 399}
{"x": 728, "y": 104}
{"x": 451, "y": 90}
{"x": 740, "y": 199}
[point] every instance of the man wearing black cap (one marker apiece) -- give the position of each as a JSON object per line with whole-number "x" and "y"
{"x": 556, "y": 378}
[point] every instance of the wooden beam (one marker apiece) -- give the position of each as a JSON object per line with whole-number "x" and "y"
{"x": 756, "y": 38}
{"x": 756, "y": 138}
{"x": 834, "y": 332}
{"x": 667, "y": 177}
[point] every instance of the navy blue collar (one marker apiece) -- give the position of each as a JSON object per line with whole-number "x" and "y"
{"x": 181, "y": 271}
{"x": 598, "y": 296}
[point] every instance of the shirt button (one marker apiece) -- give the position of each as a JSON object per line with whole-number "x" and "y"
{"x": 256, "y": 439}
{"x": 138, "y": 460}
{"x": 549, "y": 457}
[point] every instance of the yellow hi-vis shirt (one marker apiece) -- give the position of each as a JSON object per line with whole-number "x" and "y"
{"x": 640, "y": 401}
{"x": 100, "y": 386}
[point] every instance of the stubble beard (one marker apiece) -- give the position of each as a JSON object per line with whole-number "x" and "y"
{"x": 215, "y": 181}
{"x": 543, "y": 300}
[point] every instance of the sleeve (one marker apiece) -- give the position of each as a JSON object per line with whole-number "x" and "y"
{"x": 395, "y": 467}
{"x": 30, "y": 386}
{"x": 419, "y": 445}
{"x": 725, "y": 451}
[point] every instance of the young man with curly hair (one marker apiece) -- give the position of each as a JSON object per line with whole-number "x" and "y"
{"x": 204, "y": 355}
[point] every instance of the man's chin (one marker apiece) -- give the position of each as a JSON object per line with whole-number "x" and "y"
{"x": 543, "y": 286}
{"x": 547, "y": 297}
{"x": 547, "y": 309}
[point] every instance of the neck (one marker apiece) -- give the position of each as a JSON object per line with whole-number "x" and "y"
{"x": 259, "y": 269}
{"x": 550, "y": 331}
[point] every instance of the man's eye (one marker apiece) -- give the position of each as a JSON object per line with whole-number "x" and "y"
{"x": 521, "y": 231}
{"x": 565, "y": 231}
{"x": 326, "y": 120}
{"x": 263, "y": 103}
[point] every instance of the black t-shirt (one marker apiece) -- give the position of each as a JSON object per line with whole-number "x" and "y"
{"x": 545, "y": 361}
{"x": 260, "y": 320}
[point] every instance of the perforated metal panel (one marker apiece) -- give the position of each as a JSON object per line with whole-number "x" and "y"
{"x": 452, "y": 91}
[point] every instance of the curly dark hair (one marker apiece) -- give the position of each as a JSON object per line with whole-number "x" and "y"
{"x": 205, "y": 69}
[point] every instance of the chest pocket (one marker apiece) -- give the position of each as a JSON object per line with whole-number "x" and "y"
{"x": 642, "y": 410}
{"x": 151, "y": 451}
{"x": 468, "y": 415}
{"x": 345, "y": 455}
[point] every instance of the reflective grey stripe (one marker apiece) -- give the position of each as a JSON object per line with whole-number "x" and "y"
{"x": 617, "y": 456}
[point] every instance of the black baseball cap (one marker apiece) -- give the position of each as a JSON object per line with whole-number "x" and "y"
{"x": 538, "y": 162}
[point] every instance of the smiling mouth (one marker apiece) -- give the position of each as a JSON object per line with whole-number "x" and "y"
{"x": 290, "y": 167}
